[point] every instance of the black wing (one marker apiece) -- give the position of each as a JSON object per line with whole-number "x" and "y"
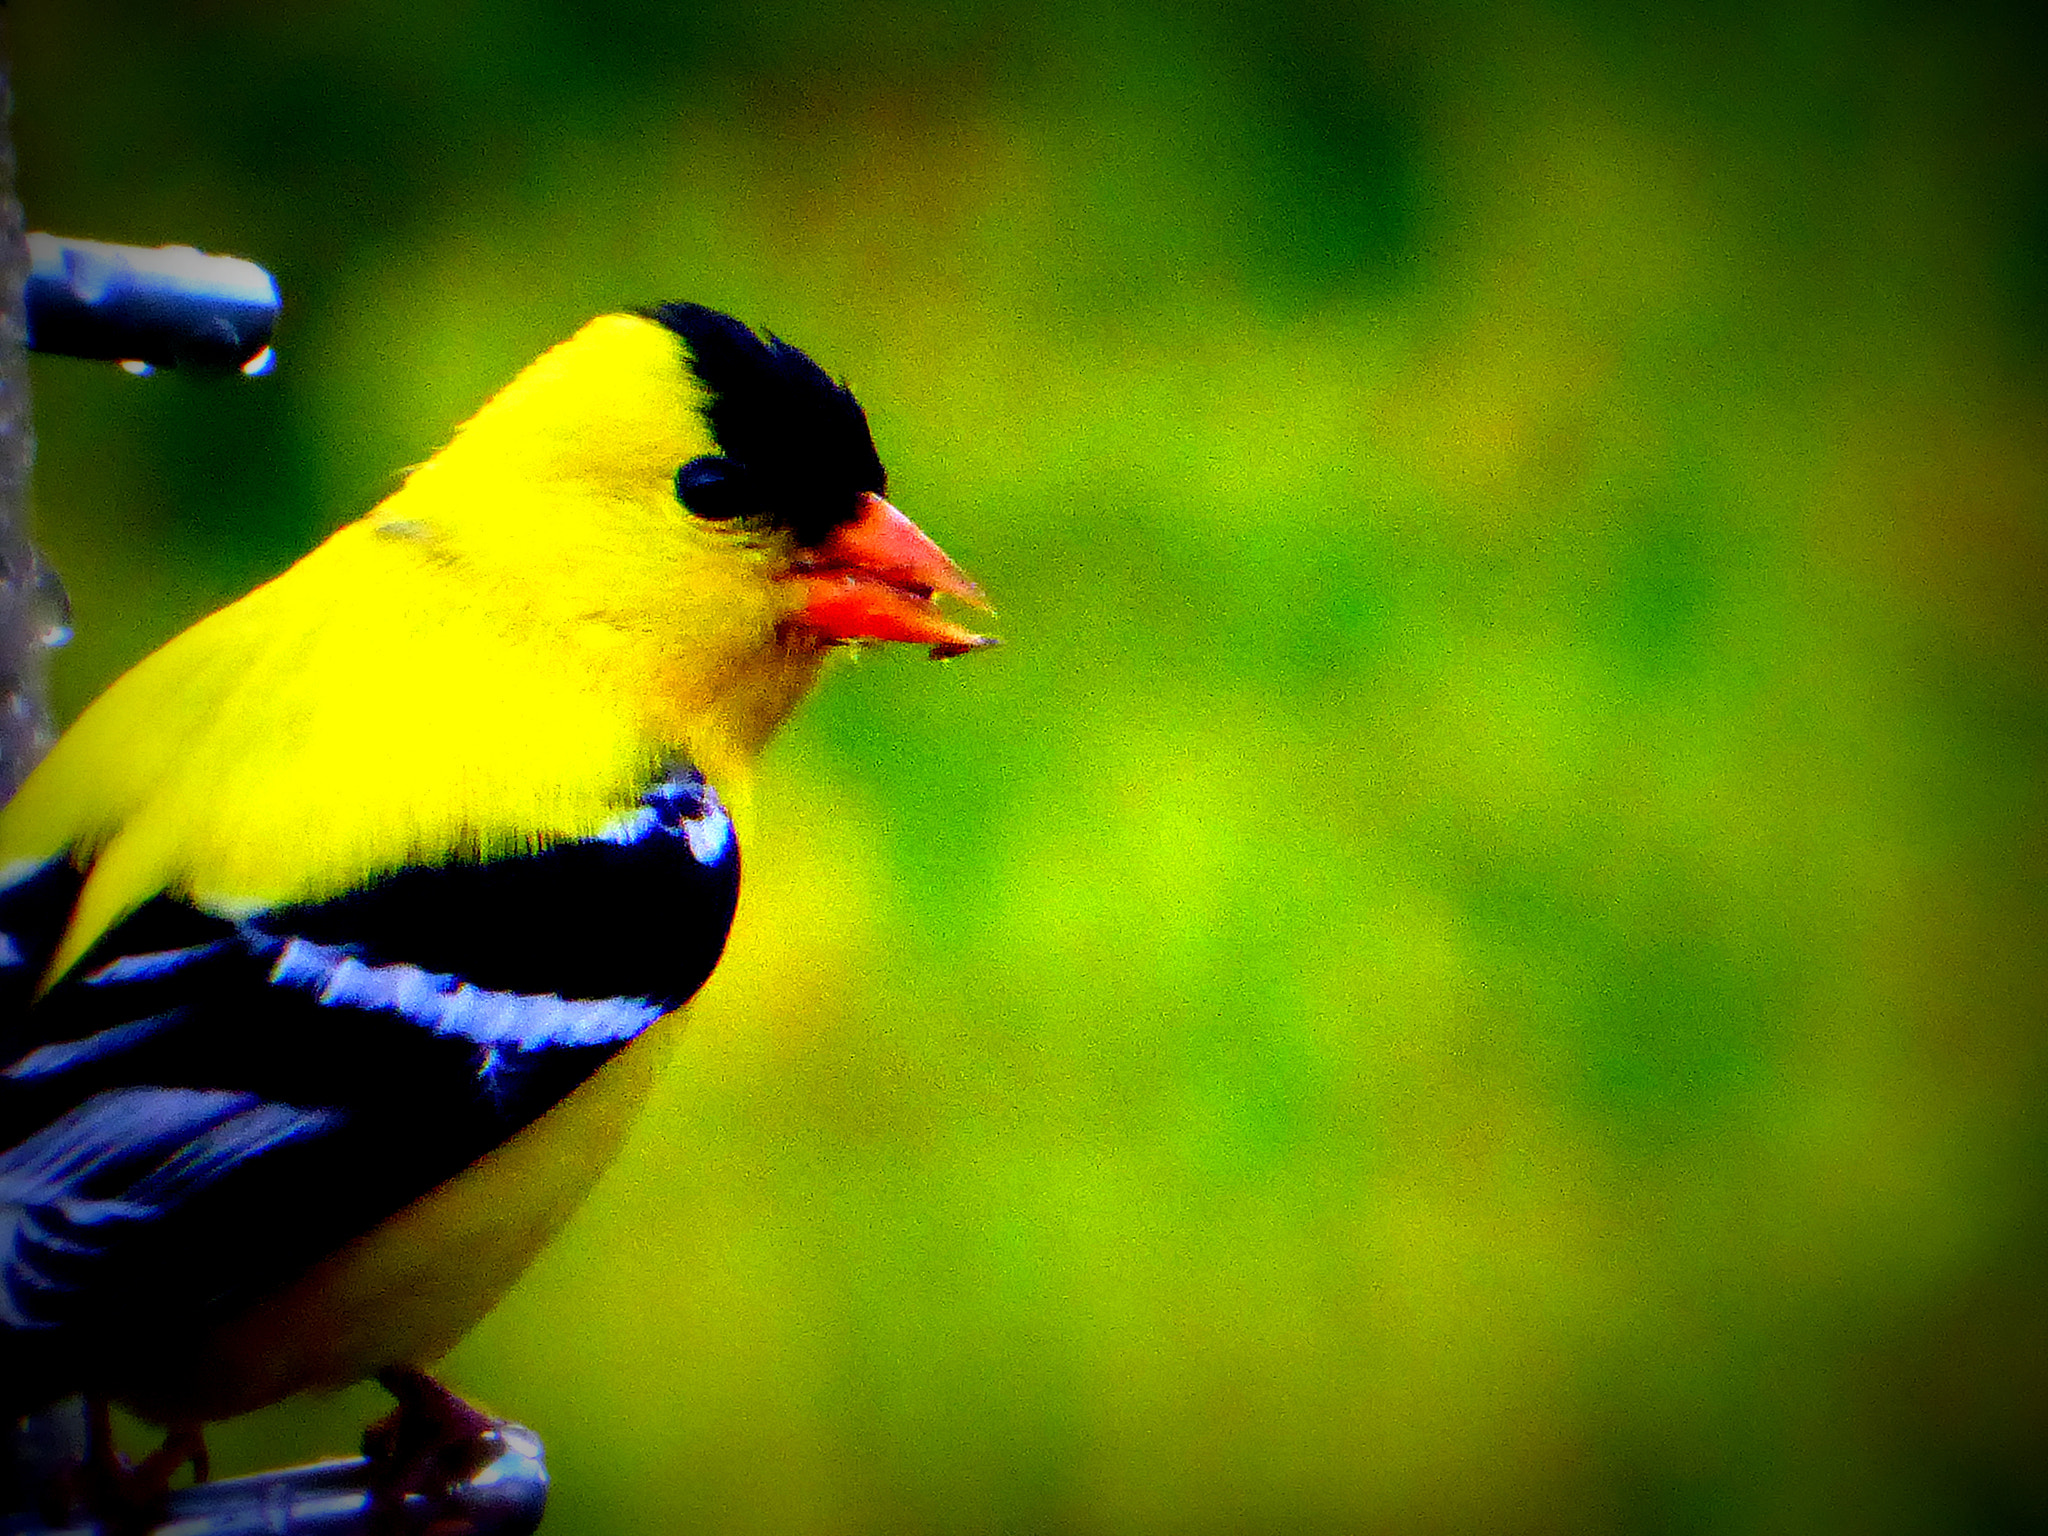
{"x": 205, "y": 1107}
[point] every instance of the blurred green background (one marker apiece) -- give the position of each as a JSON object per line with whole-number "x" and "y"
{"x": 1475, "y": 962}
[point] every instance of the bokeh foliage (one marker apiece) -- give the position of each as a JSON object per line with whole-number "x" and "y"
{"x": 1475, "y": 963}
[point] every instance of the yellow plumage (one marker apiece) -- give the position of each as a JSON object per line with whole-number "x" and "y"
{"x": 529, "y": 626}
{"x": 527, "y": 660}
{"x": 408, "y": 1290}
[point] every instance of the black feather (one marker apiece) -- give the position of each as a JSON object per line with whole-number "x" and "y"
{"x": 205, "y": 1105}
{"x": 794, "y": 450}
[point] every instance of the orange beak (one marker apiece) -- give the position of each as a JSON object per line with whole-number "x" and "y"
{"x": 875, "y": 579}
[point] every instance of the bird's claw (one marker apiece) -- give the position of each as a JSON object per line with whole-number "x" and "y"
{"x": 123, "y": 1497}
{"x": 422, "y": 1450}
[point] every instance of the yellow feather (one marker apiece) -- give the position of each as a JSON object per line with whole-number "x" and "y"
{"x": 405, "y": 1292}
{"x": 499, "y": 656}
{"x": 495, "y": 658}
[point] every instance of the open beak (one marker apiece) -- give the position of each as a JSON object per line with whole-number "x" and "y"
{"x": 875, "y": 578}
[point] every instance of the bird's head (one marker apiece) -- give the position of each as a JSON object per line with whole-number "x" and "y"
{"x": 794, "y": 463}
{"x": 685, "y": 494}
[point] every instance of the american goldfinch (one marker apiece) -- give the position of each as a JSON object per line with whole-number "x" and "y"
{"x": 336, "y": 936}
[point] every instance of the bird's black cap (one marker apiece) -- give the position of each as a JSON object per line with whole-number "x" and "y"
{"x": 794, "y": 451}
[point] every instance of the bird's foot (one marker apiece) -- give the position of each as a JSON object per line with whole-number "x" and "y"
{"x": 127, "y": 1498}
{"x": 422, "y": 1449}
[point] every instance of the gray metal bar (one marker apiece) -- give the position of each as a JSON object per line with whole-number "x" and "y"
{"x": 505, "y": 1497}
{"x": 168, "y": 306}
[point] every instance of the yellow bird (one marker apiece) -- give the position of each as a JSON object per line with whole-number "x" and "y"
{"x": 335, "y": 937}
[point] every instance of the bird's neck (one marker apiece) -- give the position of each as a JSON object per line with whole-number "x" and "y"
{"x": 722, "y": 721}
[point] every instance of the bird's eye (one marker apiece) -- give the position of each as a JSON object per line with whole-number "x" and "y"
{"x": 712, "y": 488}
